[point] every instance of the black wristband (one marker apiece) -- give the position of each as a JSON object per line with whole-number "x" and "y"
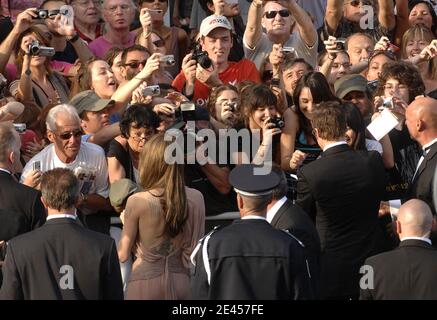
{"x": 74, "y": 38}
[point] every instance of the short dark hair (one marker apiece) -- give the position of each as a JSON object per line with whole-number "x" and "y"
{"x": 257, "y": 96}
{"x": 140, "y": 116}
{"x": 330, "y": 121}
{"x": 204, "y": 6}
{"x": 111, "y": 54}
{"x": 60, "y": 188}
{"x": 290, "y": 62}
{"x": 355, "y": 121}
{"x": 135, "y": 47}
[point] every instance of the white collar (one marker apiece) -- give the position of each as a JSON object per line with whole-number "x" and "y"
{"x": 274, "y": 210}
{"x": 61, "y": 216}
{"x": 5, "y": 170}
{"x": 249, "y": 217}
{"x": 417, "y": 238}
{"x": 334, "y": 144}
{"x": 429, "y": 144}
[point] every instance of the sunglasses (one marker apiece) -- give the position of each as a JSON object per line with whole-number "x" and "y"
{"x": 356, "y": 3}
{"x": 159, "y": 43}
{"x": 135, "y": 64}
{"x": 272, "y": 14}
{"x": 68, "y": 135}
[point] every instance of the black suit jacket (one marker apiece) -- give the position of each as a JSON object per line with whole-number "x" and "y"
{"x": 61, "y": 260}
{"x": 408, "y": 272}
{"x": 23, "y": 199}
{"x": 422, "y": 185}
{"x": 292, "y": 218}
{"x": 342, "y": 191}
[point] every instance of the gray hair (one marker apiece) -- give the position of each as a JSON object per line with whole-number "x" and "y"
{"x": 60, "y": 188}
{"x": 64, "y": 109}
{"x": 8, "y": 140}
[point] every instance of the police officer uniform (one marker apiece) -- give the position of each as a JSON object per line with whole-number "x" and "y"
{"x": 249, "y": 259}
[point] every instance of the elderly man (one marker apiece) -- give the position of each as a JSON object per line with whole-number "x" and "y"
{"x": 118, "y": 15}
{"x": 87, "y": 160}
{"x": 421, "y": 121}
{"x": 87, "y": 14}
{"x": 61, "y": 260}
{"x": 249, "y": 259}
{"x": 407, "y": 272}
{"x": 277, "y": 17}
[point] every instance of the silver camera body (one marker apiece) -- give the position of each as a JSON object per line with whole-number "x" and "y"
{"x": 35, "y": 49}
{"x": 168, "y": 60}
{"x": 340, "y": 44}
{"x": 20, "y": 127}
{"x": 289, "y": 50}
{"x": 388, "y": 103}
{"x": 154, "y": 90}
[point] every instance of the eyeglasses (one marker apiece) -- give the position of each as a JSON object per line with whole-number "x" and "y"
{"x": 123, "y": 7}
{"x": 159, "y": 43}
{"x": 272, "y": 14}
{"x": 135, "y": 64}
{"x": 85, "y": 2}
{"x": 144, "y": 137}
{"x": 356, "y": 3}
{"x": 152, "y": 1}
{"x": 68, "y": 135}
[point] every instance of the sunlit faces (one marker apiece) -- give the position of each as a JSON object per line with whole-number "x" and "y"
{"x": 415, "y": 46}
{"x": 218, "y": 44}
{"x": 353, "y": 9}
{"x": 225, "y": 97}
{"x": 393, "y": 88}
{"x": 291, "y": 76}
{"x": 156, "y": 5}
{"x": 94, "y": 121}
{"x": 359, "y": 48}
{"x": 138, "y": 137}
{"x": 420, "y": 15}
{"x": 278, "y": 25}
{"x": 258, "y": 116}
{"x": 306, "y": 102}
{"x": 375, "y": 66}
{"x": 103, "y": 81}
{"x": 35, "y": 61}
{"x": 340, "y": 67}
{"x": 87, "y": 12}
{"x": 66, "y": 149}
{"x": 135, "y": 62}
{"x": 119, "y": 14}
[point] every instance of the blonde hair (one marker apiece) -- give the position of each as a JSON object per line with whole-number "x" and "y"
{"x": 156, "y": 173}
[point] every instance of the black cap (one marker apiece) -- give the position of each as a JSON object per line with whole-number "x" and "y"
{"x": 252, "y": 180}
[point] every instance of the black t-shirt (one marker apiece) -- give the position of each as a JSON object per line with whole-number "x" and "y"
{"x": 68, "y": 55}
{"x": 122, "y": 155}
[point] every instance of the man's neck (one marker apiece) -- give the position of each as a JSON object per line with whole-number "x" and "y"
{"x": 87, "y": 29}
{"x": 222, "y": 66}
{"x": 254, "y": 213}
{"x": 71, "y": 211}
{"x": 279, "y": 38}
{"x": 63, "y": 157}
{"x": 117, "y": 36}
{"x": 271, "y": 204}
{"x": 427, "y": 139}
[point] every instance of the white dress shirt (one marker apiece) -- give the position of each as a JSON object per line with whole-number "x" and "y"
{"x": 417, "y": 238}
{"x": 334, "y": 144}
{"x": 253, "y": 217}
{"x": 425, "y": 150}
{"x": 273, "y": 210}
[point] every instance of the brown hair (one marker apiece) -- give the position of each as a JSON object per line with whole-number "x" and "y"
{"x": 257, "y": 96}
{"x": 330, "y": 121}
{"x": 7, "y": 140}
{"x": 60, "y": 189}
{"x": 215, "y": 94}
{"x": 156, "y": 173}
{"x": 83, "y": 79}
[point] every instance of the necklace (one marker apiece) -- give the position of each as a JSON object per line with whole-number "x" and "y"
{"x": 50, "y": 99}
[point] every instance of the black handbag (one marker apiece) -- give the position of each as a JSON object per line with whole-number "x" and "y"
{"x": 396, "y": 187}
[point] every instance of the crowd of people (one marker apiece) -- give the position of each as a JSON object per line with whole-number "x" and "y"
{"x": 336, "y": 98}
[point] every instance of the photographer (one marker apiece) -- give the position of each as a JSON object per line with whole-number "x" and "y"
{"x": 199, "y": 74}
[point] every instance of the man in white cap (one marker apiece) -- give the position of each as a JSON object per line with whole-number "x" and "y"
{"x": 249, "y": 259}
{"x": 198, "y": 78}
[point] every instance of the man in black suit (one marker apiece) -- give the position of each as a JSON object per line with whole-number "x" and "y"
{"x": 61, "y": 259}
{"x": 421, "y": 120}
{"x": 341, "y": 192}
{"x": 407, "y": 272}
{"x": 283, "y": 214}
{"x": 249, "y": 259}
{"x": 15, "y": 196}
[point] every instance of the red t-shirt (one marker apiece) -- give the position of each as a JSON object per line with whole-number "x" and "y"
{"x": 236, "y": 72}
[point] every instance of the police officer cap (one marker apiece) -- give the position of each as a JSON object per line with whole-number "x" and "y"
{"x": 251, "y": 180}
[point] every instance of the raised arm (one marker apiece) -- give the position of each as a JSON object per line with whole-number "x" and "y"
{"x": 402, "y": 23}
{"x": 306, "y": 28}
{"x": 253, "y": 31}
{"x": 386, "y": 14}
{"x": 333, "y": 15}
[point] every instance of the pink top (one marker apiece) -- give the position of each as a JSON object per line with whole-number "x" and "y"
{"x": 100, "y": 46}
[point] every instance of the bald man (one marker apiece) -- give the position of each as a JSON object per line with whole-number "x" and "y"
{"x": 408, "y": 272}
{"x": 421, "y": 120}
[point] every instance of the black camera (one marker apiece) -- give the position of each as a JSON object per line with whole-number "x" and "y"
{"x": 232, "y": 106}
{"x": 42, "y": 14}
{"x": 35, "y": 49}
{"x": 201, "y": 57}
{"x": 340, "y": 44}
{"x": 278, "y": 122}
{"x": 372, "y": 85}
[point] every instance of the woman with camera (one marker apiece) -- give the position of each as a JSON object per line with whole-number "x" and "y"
{"x": 38, "y": 82}
{"x": 162, "y": 226}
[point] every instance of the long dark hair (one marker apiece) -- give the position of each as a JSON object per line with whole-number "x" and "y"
{"x": 355, "y": 121}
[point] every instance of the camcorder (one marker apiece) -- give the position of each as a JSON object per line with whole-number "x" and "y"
{"x": 278, "y": 122}
{"x": 201, "y": 57}
{"x": 35, "y": 49}
{"x": 340, "y": 44}
{"x": 153, "y": 91}
{"x": 168, "y": 60}
{"x": 44, "y": 13}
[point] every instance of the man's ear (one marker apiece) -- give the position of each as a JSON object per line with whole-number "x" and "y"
{"x": 83, "y": 124}
{"x": 210, "y": 6}
{"x": 123, "y": 72}
{"x": 420, "y": 125}
{"x": 398, "y": 227}
{"x": 50, "y": 136}
{"x": 44, "y": 202}
{"x": 240, "y": 202}
{"x": 263, "y": 22}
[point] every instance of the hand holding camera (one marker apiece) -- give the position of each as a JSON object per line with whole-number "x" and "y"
{"x": 35, "y": 49}
{"x": 24, "y": 20}
{"x": 207, "y": 77}
{"x": 146, "y": 21}
{"x": 229, "y": 112}
{"x": 189, "y": 68}
{"x": 277, "y": 55}
{"x": 333, "y": 46}
{"x": 270, "y": 130}
{"x": 151, "y": 66}
{"x": 430, "y": 51}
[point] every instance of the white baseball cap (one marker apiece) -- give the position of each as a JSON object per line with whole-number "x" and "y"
{"x": 212, "y": 22}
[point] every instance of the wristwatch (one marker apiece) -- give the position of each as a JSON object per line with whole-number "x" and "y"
{"x": 73, "y": 38}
